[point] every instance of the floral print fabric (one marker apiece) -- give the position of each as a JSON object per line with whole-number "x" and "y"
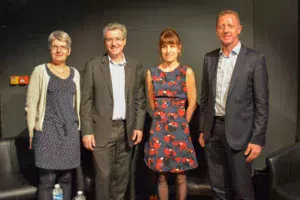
{"x": 169, "y": 148}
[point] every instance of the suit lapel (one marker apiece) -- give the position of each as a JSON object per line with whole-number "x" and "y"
{"x": 127, "y": 77}
{"x": 106, "y": 73}
{"x": 214, "y": 64}
{"x": 238, "y": 69}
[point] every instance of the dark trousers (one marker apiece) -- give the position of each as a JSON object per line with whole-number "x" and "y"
{"x": 230, "y": 175}
{"x": 132, "y": 181}
{"x": 47, "y": 180}
{"x": 112, "y": 166}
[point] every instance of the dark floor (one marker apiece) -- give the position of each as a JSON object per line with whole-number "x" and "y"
{"x": 198, "y": 198}
{"x": 171, "y": 198}
{"x": 188, "y": 198}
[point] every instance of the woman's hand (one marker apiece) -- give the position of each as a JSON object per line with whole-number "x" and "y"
{"x": 30, "y": 143}
{"x": 201, "y": 140}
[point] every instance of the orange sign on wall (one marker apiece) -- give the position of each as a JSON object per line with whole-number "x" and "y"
{"x": 14, "y": 80}
{"x": 24, "y": 80}
{"x": 19, "y": 80}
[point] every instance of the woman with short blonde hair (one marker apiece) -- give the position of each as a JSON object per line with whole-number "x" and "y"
{"x": 52, "y": 106}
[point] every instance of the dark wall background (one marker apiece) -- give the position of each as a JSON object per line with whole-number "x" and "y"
{"x": 276, "y": 35}
{"x": 26, "y": 24}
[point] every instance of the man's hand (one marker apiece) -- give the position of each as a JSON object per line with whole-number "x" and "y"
{"x": 253, "y": 151}
{"x": 137, "y": 136}
{"x": 30, "y": 143}
{"x": 89, "y": 142}
{"x": 201, "y": 140}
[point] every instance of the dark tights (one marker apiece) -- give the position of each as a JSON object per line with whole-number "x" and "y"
{"x": 47, "y": 180}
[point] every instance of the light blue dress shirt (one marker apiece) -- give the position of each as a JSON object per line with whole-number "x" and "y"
{"x": 224, "y": 74}
{"x": 117, "y": 73}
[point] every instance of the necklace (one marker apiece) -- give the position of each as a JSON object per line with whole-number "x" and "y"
{"x": 168, "y": 68}
{"x": 60, "y": 72}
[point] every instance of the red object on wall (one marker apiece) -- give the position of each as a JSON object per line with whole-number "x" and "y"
{"x": 24, "y": 80}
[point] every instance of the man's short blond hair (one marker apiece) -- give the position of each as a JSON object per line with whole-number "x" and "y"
{"x": 231, "y": 12}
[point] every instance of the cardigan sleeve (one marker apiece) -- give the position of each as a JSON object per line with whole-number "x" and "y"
{"x": 32, "y": 100}
{"x": 78, "y": 95}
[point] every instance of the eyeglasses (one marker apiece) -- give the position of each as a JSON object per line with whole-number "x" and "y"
{"x": 117, "y": 39}
{"x": 62, "y": 48}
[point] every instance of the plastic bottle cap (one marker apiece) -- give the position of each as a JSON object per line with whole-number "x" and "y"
{"x": 56, "y": 185}
{"x": 79, "y": 192}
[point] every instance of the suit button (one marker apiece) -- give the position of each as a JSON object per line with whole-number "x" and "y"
{"x": 112, "y": 104}
{"x": 110, "y": 118}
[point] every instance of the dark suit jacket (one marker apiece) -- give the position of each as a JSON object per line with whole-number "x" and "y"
{"x": 247, "y": 107}
{"x": 97, "y": 99}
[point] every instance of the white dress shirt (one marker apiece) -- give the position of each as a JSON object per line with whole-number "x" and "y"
{"x": 224, "y": 73}
{"x": 117, "y": 73}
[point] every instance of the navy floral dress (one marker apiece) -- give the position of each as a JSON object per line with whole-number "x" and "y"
{"x": 57, "y": 147}
{"x": 169, "y": 148}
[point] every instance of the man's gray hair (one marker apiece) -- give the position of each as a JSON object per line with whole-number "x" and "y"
{"x": 115, "y": 26}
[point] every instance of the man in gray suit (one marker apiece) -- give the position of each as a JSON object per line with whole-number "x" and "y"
{"x": 112, "y": 112}
{"x": 234, "y": 110}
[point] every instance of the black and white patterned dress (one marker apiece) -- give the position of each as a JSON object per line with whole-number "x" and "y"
{"x": 57, "y": 146}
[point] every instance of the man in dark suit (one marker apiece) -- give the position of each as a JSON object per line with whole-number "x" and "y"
{"x": 112, "y": 113}
{"x": 234, "y": 110}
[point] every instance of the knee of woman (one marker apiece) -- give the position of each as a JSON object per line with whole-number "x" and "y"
{"x": 162, "y": 179}
{"x": 66, "y": 177}
{"x": 181, "y": 179}
{"x": 47, "y": 179}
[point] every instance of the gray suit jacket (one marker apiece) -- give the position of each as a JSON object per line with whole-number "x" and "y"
{"x": 247, "y": 107}
{"x": 97, "y": 99}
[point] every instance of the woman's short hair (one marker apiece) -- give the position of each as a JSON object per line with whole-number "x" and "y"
{"x": 169, "y": 36}
{"x": 61, "y": 36}
{"x": 115, "y": 26}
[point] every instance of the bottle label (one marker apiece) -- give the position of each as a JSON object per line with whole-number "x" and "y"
{"x": 57, "y": 197}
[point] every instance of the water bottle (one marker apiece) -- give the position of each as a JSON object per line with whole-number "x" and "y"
{"x": 80, "y": 196}
{"x": 57, "y": 192}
